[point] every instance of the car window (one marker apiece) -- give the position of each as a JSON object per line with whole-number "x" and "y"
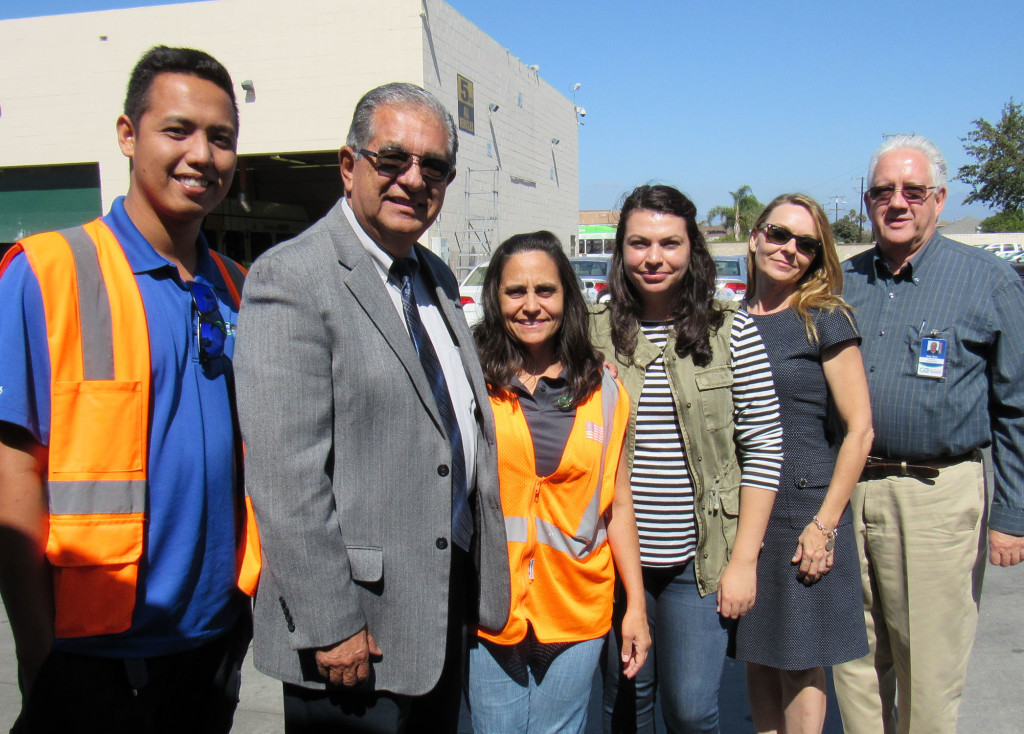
{"x": 728, "y": 267}
{"x": 477, "y": 276}
{"x": 590, "y": 267}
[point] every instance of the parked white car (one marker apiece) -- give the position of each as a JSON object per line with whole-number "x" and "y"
{"x": 470, "y": 291}
{"x": 1006, "y": 250}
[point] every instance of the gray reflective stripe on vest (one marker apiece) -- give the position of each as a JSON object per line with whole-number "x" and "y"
{"x": 579, "y": 548}
{"x": 592, "y": 530}
{"x": 592, "y": 520}
{"x": 515, "y": 529}
{"x": 93, "y": 496}
{"x": 93, "y": 307}
{"x": 576, "y": 547}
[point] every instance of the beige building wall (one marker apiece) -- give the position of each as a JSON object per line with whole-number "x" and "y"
{"x": 509, "y": 169}
{"x": 62, "y": 82}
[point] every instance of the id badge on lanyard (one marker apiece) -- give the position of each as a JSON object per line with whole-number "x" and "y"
{"x": 931, "y": 361}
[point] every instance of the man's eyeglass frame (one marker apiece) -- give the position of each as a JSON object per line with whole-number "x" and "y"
{"x": 393, "y": 162}
{"x": 912, "y": 194}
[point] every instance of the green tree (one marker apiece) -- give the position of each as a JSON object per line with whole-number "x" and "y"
{"x": 741, "y": 215}
{"x": 850, "y": 227}
{"x": 997, "y": 176}
{"x": 1011, "y": 220}
{"x": 737, "y": 203}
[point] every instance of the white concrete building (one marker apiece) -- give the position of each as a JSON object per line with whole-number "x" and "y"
{"x": 299, "y": 68}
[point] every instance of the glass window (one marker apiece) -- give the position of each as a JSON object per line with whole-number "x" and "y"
{"x": 477, "y": 276}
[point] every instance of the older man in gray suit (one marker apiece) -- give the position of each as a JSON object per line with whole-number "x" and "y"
{"x": 370, "y": 454}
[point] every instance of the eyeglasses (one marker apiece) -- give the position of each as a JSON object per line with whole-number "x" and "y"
{"x": 395, "y": 161}
{"x": 913, "y": 194}
{"x": 211, "y": 331}
{"x": 777, "y": 235}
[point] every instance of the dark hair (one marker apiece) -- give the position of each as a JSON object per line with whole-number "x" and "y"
{"x": 696, "y": 316}
{"x": 166, "y": 60}
{"x": 502, "y": 356}
{"x": 398, "y": 94}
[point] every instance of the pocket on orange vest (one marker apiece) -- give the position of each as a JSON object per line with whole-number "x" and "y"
{"x": 95, "y": 574}
{"x": 97, "y": 427}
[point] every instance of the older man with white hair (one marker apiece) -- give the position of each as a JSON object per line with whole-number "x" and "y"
{"x": 943, "y": 338}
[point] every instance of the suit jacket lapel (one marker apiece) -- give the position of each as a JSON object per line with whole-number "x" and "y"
{"x": 463, "y": 339}
{"x": 364, "y": 283}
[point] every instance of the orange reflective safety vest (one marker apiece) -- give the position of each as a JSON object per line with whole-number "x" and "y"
{"x": 563, "y": 575}
{"x": 100, "y": 386}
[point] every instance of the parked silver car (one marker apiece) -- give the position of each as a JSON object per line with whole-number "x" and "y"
{"x": 593, "y": 270}
{"x": 730, "y": 277}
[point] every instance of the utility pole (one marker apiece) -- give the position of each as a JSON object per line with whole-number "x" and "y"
{"x": 836, "y": 198}
{"x": 860, "y": 217}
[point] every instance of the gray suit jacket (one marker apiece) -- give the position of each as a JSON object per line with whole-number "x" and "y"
{"x": 347, "y": 464}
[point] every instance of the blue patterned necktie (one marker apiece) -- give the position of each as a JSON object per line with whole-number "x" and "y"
{"x": 404, "y": 269}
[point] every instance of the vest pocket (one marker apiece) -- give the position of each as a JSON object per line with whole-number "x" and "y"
{"x": 729, "y": 497}
{"x": 83, "y": 439}
{"x": 715, "y": 387}
{"x": 95, "y": 562}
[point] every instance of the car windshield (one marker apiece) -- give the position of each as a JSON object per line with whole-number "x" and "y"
{"x": 728, "y": 267}
{"x": 477, "y": 276}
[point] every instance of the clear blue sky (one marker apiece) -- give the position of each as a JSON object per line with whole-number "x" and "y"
{"x": 781, "y": 96}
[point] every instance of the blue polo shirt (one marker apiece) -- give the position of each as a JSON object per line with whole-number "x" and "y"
{"x": 186, "y": 587}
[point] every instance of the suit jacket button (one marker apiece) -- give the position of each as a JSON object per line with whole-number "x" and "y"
{"x": 801, "y": 482}
{"x": 441, "y": 543}
{"x": 443, "y": 470}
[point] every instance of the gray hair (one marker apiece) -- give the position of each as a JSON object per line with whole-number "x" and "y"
{"x": 399, "y": 94}
{"x": 912, "y": 142}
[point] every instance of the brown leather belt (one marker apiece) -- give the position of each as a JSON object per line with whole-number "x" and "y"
{"x": 878, "y": 467}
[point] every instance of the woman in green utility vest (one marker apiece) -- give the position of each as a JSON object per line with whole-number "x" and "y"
{"x": 704, "y": 441}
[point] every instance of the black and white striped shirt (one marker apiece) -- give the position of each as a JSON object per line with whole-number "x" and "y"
{"x": 662, "y": 493}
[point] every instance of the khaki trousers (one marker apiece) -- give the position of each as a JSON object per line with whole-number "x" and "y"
{"x": 922, "y": 547}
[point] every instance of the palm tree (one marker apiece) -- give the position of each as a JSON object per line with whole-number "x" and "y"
{"x": 741, "y": 215}
{"x": 737, "y": 198}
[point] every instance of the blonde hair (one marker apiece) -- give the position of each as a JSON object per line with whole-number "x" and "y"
{"x": 822, "y": 284}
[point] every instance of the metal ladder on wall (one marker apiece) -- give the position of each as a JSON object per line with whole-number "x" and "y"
{"x": 475, "y": 242}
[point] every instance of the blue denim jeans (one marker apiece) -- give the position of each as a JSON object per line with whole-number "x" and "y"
{"x": 685, "y": 664}
{"x": 554, "y": 700}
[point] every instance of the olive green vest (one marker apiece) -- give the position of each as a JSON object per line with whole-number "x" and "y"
{"x": 703, "y": 402}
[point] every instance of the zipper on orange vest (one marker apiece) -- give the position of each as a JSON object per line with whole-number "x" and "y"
{"x": 531, "y": 535}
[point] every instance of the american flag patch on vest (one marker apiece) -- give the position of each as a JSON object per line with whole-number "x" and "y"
{"x": 595, "y": 432}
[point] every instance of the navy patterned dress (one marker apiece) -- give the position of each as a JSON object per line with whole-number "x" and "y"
{"x": 793, "y": 626}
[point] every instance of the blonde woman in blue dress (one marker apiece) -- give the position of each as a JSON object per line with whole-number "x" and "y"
{"x": 809, "y": 610}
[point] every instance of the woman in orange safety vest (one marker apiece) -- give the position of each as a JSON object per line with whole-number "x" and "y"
{"x": 560, "y": 421}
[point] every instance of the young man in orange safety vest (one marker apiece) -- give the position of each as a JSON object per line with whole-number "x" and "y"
{"x": 125, "y": 542}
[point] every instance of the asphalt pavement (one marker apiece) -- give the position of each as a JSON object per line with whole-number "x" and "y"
{"x": 993, "y": 702}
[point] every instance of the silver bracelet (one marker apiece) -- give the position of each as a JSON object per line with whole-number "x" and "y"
{"x": 830, "y": 535}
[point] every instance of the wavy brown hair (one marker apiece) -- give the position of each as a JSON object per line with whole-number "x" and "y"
{"x": 821, "y": 286}
{"x": 695, "y": 316}
{"x": 502, "y": 356}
